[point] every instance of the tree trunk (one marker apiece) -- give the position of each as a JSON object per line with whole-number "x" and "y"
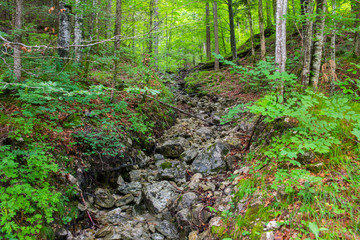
{"x": 318, "y": 42}
{"x": 222, "y": 36}
{"x": 274, "y": 9}
{"x": 208, "y": 35}
{"x": 251, "y": 30}
{"x": 261, "y": 27}
{"x": 268, "y": 15}
{"x": 151, "y": 27}
{"x": 216, "y": 35}
{"x": 232, "y": 29}
{"x": 280, "y": 50}
{"x": 109, "y": 18}
{"x": 64, "y": 31}
{"x": 357, "y": 34}
{"x": 117, "y": 32}
{"x": 307, "y": 42}
{"x": 78, "y": 31}
{"x": 17, "y": 38}
{"x": 333, "y": 49}
{"x": 156, "y": 32}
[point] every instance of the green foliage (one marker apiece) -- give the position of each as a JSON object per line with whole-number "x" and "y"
{"x": 349, "y": 85}
{"x": 27, "y": 200}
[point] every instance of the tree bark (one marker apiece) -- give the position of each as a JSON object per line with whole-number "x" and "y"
{"x": 262, "y": 34}
{"x": 216, "y": 35}
{"x": 333, "y": 49}
{"x": 117, "y": 32}
{"x": 318, "y": 42}
{"x": 232, "y": 29}
{"x": 151, "y": 27}
{"x": 280, "y": 50}
{"x": 64, "y": 31}
{"x": 274, "y": 2}
{"x": 268, "y": 15}
{"x": 156, "y": 32}
{"x": 308, "y": 7}
{"x": 78, "y": 31}
{"x": 251, "y": 30}
{"x": 17, "y": 38}
{"x": 357, "y": 34}
{"x": 208, "y": 35}
{"x": 109, "y": 18}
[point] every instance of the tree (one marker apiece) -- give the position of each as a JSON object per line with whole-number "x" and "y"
{"x": 78, "y": 31}
{"x": 262, "y": 34}
{"x": 251, "y": 29}
{"x": 64, "y": 30}
{"x": 280, "y": 50}
{"x": 308, "y": 7}
{"x": 156, "y": 30}
{"x": 17, "y": 38}
{"x": 232, "y": 30}
{"x": 318, "y": 42}
{"x": 208, "y": 35}
{"x": 216, "y": 35}
{"x": 357, "y": 33}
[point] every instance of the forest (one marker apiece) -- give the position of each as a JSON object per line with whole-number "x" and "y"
{"x": 172, "y": 120}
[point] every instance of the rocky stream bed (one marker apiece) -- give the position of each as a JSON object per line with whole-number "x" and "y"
{"x": 166, "y": 195}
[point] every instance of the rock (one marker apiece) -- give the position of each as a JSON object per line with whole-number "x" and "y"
{"x": 157, "y": 236}
{"x": 216, "y": 119}
{"x": 272, "y": 225}
{"x": 183, "y": 220}
{"x": 115, "y": 216}
{"x": 159, "y": 195}
{"x": 63, "y": 234}
{"x": 211, "y": 160}
{"x": 189, "y": 155}
{"x": 200, "y": 215}
{"x": 124, "y": 200}
{"x": 267, "y": 236}
{"x": 208, "y": 186}
{"x": 104, "y": 198}
{"x": 172, "y": 148}
{"x": 195, "y": 181}
{"x": 205, "y": 132}
{"x": 104, "y": 231}
{"x": 120, "y": 180}
{"x": 187, "y": 200}
{"x": 193, "y": 235}
{"x": 216, "y": 221}
{"x": 168, "y": 229}
{"x": 130, "y": 231}
{"x": 172, "y": 170}
{"x": 134, "y": 188}
{"x": 159, "y": 157}
{"x": 305, "y": 158}
{"x": 141, "y": 159}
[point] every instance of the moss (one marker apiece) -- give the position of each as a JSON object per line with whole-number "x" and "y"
{"x": 166, "y": 165}
{"x": 257, "y": 231}
{"x": 219, "y": 231}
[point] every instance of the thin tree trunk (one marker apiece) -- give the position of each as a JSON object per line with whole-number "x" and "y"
{"x": 117, "y": 43}
{"x": 307, "y": 42}
{"x": 109, "y": 18}
{"x": 268, "y": 15}
{"x": 92, "y": 22}
{"x": 151, "y": 27}
{"x": 64, "y": 31}
{"x": 239, "y": 30}
{"x": 208, "y": 35}
{"x": 262, "y": 34}
{"x": 232, "y": 30}
{"x": 251, "y": 30}
{"x": 222, "y": 36}
{"x": 357, "y": 34}
{"x": 17, "y": 48}
{"x": 78, "y": 31}
{"x": 216, "y": 35}
{"x": 156, "y": 34}
{"x": 274, "y": 9}
{"x": 318, "y": 42}
{"x": 333, "y": 49}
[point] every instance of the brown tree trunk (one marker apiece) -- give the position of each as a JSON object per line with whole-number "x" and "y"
{"x": 17, "y": 38}
{"x": 117, "y": 43}
{"x": 357, "y": 34}
{"x": 251, "y": 30}
{"x": 216, "y": 35}
{"x": 318, "y": 42}
{"x": 208, "y": 35}
{"x": 232, "y": 30}
{"x": 262, "y": 34}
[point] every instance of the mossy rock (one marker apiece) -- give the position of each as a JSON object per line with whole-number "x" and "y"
{"x": 166, "y": 165}
{"x": 219, "y": 231}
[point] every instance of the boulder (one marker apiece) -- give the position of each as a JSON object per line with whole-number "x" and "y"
{"x": 134, "y": 188}
{"x": 211, "y": 159}
{"x": 159, "y": 196}
{"x": 172, "y": 148}
{"x": 124, "y": 200}
{"x": 189, "y": 155}
{"x": 171, "y": 170}
{"x": 104, "y": 198}
{"x": 167, "y": 229}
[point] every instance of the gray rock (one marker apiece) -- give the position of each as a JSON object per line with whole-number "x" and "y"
{"x": 130, "y": 231}
{"x": 200, "y": 215}
{"x": 187, "y": 200}
{"x": 183, "y": 220}
{"x": 189, "y": 155}
{"x": 195, "y": 181}
{"x": 159, "y": 195}
{"x": 142, "y": 159}
{"x": 134, "y": 188}
{"x": 168, "y": 229}
{"x": 157, "y": 236}
{"x": 120, "y": 180}
{"x": 104, "y": 198}
{"x": 267, "y": 236}
{"x": 205, "y": 132}
{"x": 172, "y": 170}
{"x": 211, "y": 160}
{"x": 272, "y": 225}
{"x": 124, "y": 200}
{"x": 172, "y": 148}
{"x": 104, "y": 231}
{"x": 158, "y": 157}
